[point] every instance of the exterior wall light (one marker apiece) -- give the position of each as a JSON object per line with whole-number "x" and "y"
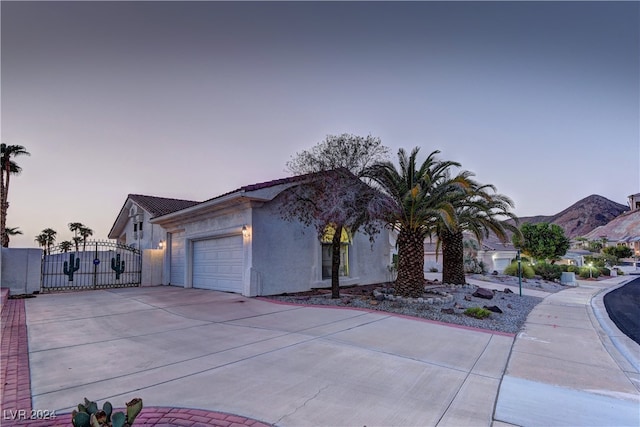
{"x": 161, "y": 244}
{"x": 245, "y": 231}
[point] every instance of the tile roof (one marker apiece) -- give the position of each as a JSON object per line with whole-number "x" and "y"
{"x": 267, "y": 184}
{"x": 157, "y": 206}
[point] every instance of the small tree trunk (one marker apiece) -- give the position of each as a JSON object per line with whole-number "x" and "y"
{"x": 410, "y": 280}
{"x": 453, "y": 258}
{"x": 3, "y": 207}
{"x": 335, "y": 263}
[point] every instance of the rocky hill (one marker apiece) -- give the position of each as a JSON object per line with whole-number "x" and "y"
{"x": 583, "y": 216}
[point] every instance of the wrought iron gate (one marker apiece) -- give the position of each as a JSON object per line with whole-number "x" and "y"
{"x": 94, "y": 265}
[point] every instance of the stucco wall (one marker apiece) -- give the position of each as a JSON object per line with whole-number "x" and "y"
{"x": 222, "y": 223}
{"x": 152, "y": 267}
{"x": 152, "y": 234}
{"x": 287, "y": 255}
{"x": 21, "y": 270}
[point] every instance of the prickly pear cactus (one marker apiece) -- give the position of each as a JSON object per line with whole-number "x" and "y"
{"x": 89, "y": 415}
{"x": 117, "y": 266}
{"x": 69, "y": 267}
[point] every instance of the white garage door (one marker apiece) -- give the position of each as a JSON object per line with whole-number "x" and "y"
{"x": 218, "y": 264}
{"x": 499, "y": 264}
{"x": 177, "y": 271}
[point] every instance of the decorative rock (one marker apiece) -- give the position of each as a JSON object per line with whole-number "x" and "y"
{"x": 507, "y": 291}
{"x": 483, "y": 293}
{"x": 373, "y": 302}
{"x": 467, "y": 298}
{"x": 380, "y": 297}
{"x": 509, "y": 306}
{"x": 458, "y": 306}
{"x": 421, "y": 300}
{"x": 346, "y": 300}
{"x": 448, "y": 311}
{"x": 493, "y": 308}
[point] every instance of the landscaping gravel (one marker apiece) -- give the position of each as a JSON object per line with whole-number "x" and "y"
{"x": 434, "y": 306}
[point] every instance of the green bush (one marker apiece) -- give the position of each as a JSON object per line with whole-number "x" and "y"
{"x": 573, "y": 269}
{"x": 477, "y": 312}
{"x": 548, "y": 271}
{"x": 605, "y": 271}
{"x": 512, "y": 270}
{"x": 585, "y": 274}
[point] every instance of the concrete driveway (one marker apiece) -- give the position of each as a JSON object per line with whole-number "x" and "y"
{"x": 282, "y": 364}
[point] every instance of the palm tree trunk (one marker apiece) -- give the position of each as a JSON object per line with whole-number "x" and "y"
{"x": 335, "y": 262}
{"x": 452, "y": 258}
{"x": 410, "y": 280}
{"x": 3, "y": 205}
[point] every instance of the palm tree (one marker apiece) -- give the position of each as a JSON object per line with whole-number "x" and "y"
{"x": 479, "y": 210}
{"x": 421, "y": 196}
{"x": 41, "y": 240}
{"x": 11, "y": 231}
{"x": 65, "y": 246}
{"x": 76, "y": 241}
{"x": 75, "y": 227}
{"x": 7, "y": 152}
{"x": 84, "y": 233}
{"x": 46, "y": 239}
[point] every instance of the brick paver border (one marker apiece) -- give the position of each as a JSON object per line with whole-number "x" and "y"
{"x": 16, "y": 387}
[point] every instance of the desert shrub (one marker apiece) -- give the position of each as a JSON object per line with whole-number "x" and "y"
{"x": 477, "y": 312}
{"x": 548, "y": 271}
{"x": 512, "y": 270}
{"x": 585, "y": 274}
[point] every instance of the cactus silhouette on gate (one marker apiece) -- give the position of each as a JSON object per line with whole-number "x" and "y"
{"x": 117, "y": 266}
{"x": 70, "y": 267}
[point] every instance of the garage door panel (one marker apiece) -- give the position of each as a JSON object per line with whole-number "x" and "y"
{"x": 218, "y": 264}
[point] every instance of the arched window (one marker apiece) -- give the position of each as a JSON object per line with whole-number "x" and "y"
{"x": 327, "y": 251}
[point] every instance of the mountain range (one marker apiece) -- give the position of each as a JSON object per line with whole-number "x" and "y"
{"x": 581, "y": 217}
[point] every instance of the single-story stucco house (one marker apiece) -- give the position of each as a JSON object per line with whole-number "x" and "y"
{"x": 238, "y": 242}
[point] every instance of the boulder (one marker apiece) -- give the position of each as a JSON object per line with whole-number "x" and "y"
{"x": 507, "y": 291}
{"x": 493, "y": 308}
{"x": 483, "y": 293}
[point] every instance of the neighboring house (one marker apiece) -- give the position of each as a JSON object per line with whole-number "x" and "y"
{"x": 238, "y": 242}
{"x": 495, "y": 255}
{"x": 133, "y": 227}
{"x": 622, "y": 230}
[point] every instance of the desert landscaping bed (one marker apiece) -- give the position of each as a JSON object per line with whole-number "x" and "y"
{"x": 440, "y": 302}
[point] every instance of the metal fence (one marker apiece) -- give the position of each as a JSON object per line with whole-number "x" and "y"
{"x": 95, "y": 265}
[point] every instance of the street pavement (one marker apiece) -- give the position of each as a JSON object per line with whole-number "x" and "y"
{"x": 310, "y": 366}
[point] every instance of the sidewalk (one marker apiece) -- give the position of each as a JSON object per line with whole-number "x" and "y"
{"x": 567, "y": 369}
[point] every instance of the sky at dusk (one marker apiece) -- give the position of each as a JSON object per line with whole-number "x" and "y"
{"x": 194, "y": 99}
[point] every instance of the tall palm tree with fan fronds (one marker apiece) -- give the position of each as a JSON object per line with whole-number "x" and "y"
{"x": 422, "y": 195}
{"x": 478, "y": 209}
{"x": 8, "y": 168}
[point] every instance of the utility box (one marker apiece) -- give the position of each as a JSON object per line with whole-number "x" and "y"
{"x": 568, "y": 278}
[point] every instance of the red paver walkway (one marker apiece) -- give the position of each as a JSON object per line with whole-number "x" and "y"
{"x": 16, "y": 389}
